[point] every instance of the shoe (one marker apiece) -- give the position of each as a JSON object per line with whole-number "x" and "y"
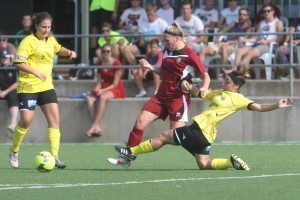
{"x": 121, "y": 160}
{"x": 14, "y": 159}
{"x": 59, "y": 164}
{"x": 125, "y": 151}
{"x": 141, "y": 94}
{"x": 11, "y": 128}
{"x": 238, "y": 163}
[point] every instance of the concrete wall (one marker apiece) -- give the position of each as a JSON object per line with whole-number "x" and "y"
{"x": 279, "y": 125}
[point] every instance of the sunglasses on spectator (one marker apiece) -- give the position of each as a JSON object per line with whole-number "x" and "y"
{"x": 3, "y": 40}
{"x": 105, "y": 51}
{"x": 267, "y": 11}
{"x": 243, "y": 14}
{"x": 135, "y": 0}
{"x": 232, "y": 0}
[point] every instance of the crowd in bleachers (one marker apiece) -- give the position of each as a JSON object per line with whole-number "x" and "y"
{"x": 137, "y": 33}
{"x": 225, "y": 49}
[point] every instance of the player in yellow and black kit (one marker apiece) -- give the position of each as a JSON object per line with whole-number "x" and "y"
{"x": 200, "y": 135}
{"x": 34, "y": 60}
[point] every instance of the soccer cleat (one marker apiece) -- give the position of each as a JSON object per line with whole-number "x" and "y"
{"x": 238, "y": 163}
{"x": 14, "y": 159}
{"x": 121, "y": 160}
{"x": 59, "y": 164}
{"x": 125, "y": 151}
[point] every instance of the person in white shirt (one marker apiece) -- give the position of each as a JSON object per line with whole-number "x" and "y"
{"x": 155, "y": 27}
{"x": 167, "y": 11}
{"x": 261, "y": 42}
{"x": 191, "y": 25}
{"x": 132, "y": 18}
{"x": 208, "y": 14}
{"x": 229, "y": 14}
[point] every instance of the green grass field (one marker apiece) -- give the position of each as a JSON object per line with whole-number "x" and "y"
{"x": 170, "y": 173}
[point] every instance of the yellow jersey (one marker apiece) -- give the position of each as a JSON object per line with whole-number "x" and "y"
{"x": 222, "y": 105}
{"x": 37, "y": 54}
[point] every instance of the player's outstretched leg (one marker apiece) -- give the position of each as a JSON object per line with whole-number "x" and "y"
{"x": 238, "y": 163}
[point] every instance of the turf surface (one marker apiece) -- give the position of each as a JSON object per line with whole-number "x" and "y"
{"x": 170, "y": 173}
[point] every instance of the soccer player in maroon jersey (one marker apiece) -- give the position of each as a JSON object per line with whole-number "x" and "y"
{"x": 179, "y": 63}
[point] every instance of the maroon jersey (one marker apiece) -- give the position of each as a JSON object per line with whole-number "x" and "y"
{"x": 175, "y": 66}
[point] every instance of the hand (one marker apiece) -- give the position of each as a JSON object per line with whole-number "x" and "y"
{"x": 40, "y": 75}
{"x": 286, "y": 102}
{"x": 72, "y": 54}
{"x": 146, "y": 64}
{"x": 2, "y": 94}
{"x": 186, "y": 86}
{"x": 203, "y": 92}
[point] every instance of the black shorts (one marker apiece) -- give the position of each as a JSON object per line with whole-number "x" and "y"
{"x": 98, "y": 17}
{"x": 11, "y": 98}
{"x": 192, "y": 139}
{"x": 28, "y": 101}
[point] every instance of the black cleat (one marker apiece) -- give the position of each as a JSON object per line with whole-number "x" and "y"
{"x": 125, "y": 151}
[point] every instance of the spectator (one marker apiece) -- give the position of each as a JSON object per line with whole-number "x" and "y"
{"x": 101, "y": 11}
{"x": 261, "y": 42}
{"x": 116, "y": 42}
{"x": 154, "y": 57}
{"x": 208, "y": 15}
{"x": 226, "y": 46}
{"x": 8, "y": 88}
{"x": 5, "y": 45}
{"x": 283, "y": 52}
{"x": 154, "y": 26}
{"x": 229, "y": 14}
{"x": 109, "y": 85}
{"x": 26, "y": 24}
{"x": 132, "y": 18}
{"x": 191, "y": 25}
{"x": 166, "y": 11}
{"x": 260, "y": 16}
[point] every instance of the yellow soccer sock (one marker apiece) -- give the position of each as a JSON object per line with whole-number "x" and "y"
{"x": 54, "y": 140}
{"x": 221, "y": 163}
{"x": 19, "y": 134}
{"x": 144, "y": 147}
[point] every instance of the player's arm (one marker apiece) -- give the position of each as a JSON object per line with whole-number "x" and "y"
{"x": 265, "y": 107}
{"x": 66, "y": 52}
{"x": 25, "y": 68}
{"x": 194, "y": 91}
{"x": 146, "y": 64}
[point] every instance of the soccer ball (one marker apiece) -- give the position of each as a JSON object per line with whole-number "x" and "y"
{"x": 44, "y": 161}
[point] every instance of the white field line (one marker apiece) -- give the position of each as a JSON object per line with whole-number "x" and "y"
{"x": 65, "y": 185}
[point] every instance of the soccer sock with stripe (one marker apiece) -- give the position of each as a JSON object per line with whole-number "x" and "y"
{"x": 221, "y": 163}
{"x": 54, "y": 140}
{"x": 144, "y": 147}
{"x": 19, "y": 134}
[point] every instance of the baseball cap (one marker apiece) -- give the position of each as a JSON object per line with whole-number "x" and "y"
{"x": 4, "y": 53}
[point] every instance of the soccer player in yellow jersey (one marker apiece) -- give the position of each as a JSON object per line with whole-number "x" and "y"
{"x": 200, "y": 135}
{"x": 35, "y": 62}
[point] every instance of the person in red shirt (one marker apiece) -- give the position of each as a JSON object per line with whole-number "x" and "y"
{"x": 179, "y": 63}
{"x": 109, "y": 85}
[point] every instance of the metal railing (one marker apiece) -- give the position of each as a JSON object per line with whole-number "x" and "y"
{"x": 291, "y": 64}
